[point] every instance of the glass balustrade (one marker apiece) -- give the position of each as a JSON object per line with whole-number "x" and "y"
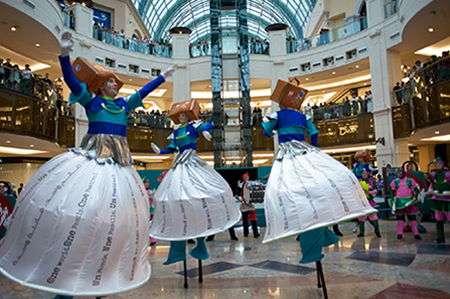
{"x": 327, "y": 36}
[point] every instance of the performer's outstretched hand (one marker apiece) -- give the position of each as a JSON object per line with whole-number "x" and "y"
{"x": 155, "y": 148}
{"x": 169, "y": 71}
{"x": 207, "y": 135}
{"x": 66, "y": 43}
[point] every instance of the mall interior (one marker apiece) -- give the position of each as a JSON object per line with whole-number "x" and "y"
{"x": 378, "y": 77}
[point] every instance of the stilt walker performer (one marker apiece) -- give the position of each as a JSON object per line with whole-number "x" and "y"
{"x": 307, "y": 189}
{"x": 440, "y": 199}
{"x": 193, "y": 200}
{"x": 404, "y": 202}
{"x": 368, "y": 187}
{"x": 80, "y": 225}
{"x": 150, "y": 194}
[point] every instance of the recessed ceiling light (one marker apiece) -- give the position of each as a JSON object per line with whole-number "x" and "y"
{"x": 323, "y": 91}
{"x": 8, "y": 141}
{"x": 131, "y": 79}
{"x": 31, "y": 145}
{"x": 38, "y": 45}
{"x": 436, "y": 132}
{"x": 431, "y": 29}
{"x": 365, "y": 83}
{"x": 357, "y": 66}
{"x": 13, "y": 28}
{"x": 307, "y": 79}
{"x": 333, "y": 73}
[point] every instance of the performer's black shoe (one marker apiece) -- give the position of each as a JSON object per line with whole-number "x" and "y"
{"x": 418, "y": 237}
{"x": 191, "y": 241}
{"x": 399, "y": 237}
{"x": 360, "y": 235}
{"x": 234, "y": 238}
{"x": 256, "y": 235}
{"x": 209, "y": 239}
{"x": 246, "y": 235}
{"x": 337, "y": 232}
{"x": 378, "y": 235}
{"x": 152, "y": 243}
{"x": 439, "y": 241}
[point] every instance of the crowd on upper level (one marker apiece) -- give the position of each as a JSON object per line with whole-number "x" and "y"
{"x": 25, "y": 81}
{"x": 436, "y": 69}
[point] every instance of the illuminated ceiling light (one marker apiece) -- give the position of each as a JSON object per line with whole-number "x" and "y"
{"x": 31, "y": 145}
{"x": 19, "y": 151}
{"x": 131, "y": 79}
{"x": 437, "y": 138}
{"x": 8, "y": 141}
{"x": 333, "y": 73}
{"x": 13, "y": 28}
{"x": 38, "y": 44}
{"x": 180, "y": 32}
{"x": 150, "y": 157}
{"x": 365, "y": 83}
{"x": 340, "y": 83}
{"x": 431, "y": 29}
{"x": 357, "y": 66}
{"x": 349, "y": 149}
{"x": 437, "y": 132}
{"x": 307, "y": 79}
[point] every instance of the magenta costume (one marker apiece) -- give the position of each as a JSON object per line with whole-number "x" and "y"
{"x": 405, "y": 202}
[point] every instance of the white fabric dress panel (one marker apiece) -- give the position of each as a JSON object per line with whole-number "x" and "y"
{"x": 308, "y": 189}
{"x": 192, "y": 201}
{"x": 79, "y": 227}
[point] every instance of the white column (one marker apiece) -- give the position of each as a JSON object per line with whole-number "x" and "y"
{"x": 84, "y": 17}
{"x": 279, "y": 69}
{"x": 385, "y": 71}
{"x": 181, "y": 78}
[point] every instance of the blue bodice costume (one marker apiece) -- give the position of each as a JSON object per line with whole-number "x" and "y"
{"x": 185, "y": 137}
{"x": 290, "y": 125}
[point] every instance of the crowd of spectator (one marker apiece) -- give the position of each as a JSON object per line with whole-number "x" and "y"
{"x": 347, "y": 107}
{"x": 259, "y": 47}
{"x": 135, "y": 43}
{"x": 153, "y": 118}
{"x": 25, "y": 81}
{"x": 199, "y": 49}
{"x": 436, "y": 69}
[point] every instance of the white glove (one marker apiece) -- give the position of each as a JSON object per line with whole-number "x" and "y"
{"x": 155, "y": 148}
{"x": 66, "y": 43}
{"x": 169, "y": 71}
{"x": 207, "y": 135}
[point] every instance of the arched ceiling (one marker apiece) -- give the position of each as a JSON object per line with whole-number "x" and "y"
{"x": 161, "y": 15}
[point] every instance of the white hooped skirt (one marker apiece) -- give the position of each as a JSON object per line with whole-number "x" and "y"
{"x": 192, "y": 201}
{"x": 79, "y": 228}
{"x": 308, "y": 189}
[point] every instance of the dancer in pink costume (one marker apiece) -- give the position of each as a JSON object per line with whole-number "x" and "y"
{"x": 150, "y": 195}
{"x": 368, "y": 187}
{"x": 404, "y": 202}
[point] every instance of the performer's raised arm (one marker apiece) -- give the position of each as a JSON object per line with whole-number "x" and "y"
{"x": 64, "y": 59}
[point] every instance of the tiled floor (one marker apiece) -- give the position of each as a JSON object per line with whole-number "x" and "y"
{"x": 354, "y": 268}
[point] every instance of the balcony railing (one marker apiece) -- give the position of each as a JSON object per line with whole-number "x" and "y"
{"x": 204, "y": 49}
{"x": 327, "y": 37}
{"x": 428, "y": 107}
{"x": 120, "y": 41}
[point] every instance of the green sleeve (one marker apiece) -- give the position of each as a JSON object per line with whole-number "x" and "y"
{"x": 310, "y": 128}
{"x": 135, "y": 101}
{"x": 84, "y": 97}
